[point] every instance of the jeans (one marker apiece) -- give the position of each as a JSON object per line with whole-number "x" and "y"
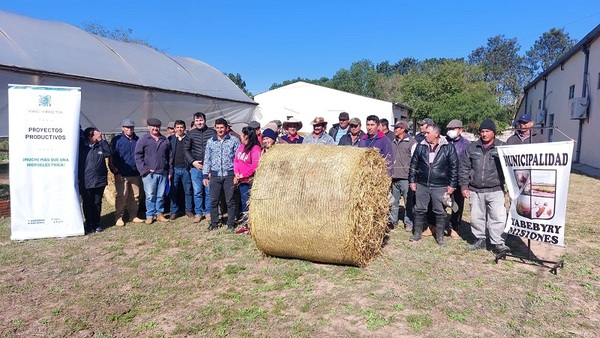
{"x": 92, "y": 206}
{"x": 488, "y": 212}
{"x": 128, "y": 196}
{"x": 154, "y": 187}
{"x": 245, "y": 194}
{"x": 400, "y": 189}
{"x": 201, "y": 194}
{"x": 181, "y": 175}
{"x": 216, "y": 185}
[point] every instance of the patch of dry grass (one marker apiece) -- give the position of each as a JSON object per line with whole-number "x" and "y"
{"x": 177, "y": 279}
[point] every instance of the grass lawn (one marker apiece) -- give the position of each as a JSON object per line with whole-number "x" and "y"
{"x": 180, "y": 280}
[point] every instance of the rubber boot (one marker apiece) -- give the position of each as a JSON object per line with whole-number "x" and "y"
{"x": 418, "y": 227}
{"x": 440, "y": 224}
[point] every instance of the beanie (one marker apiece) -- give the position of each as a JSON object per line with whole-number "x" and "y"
{"x": 270, "y": 134}
{"x": 488, "y": 124}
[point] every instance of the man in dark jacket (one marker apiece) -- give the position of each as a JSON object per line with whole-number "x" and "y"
{"x": 152, "y": 159}
{"x": 524, "y": 134}
{"x": 433, "y": 173}
{"x": 93, "y": 176}
{"x": 481, "y": 181}
{"x": 402, "y": 147}
{"x": 340, "y": 129}
{"x": 454, "y": 136}
{"x": 181, "y": 172}
{"x": 128, "y": 182}
{"x": 354, "y": 135}
{"x": 194, "y": 149}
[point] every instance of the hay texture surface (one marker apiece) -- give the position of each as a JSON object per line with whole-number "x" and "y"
{"x": 320, "y": 203}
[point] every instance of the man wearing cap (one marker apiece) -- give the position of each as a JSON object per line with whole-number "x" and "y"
{"x": 218, "y": 172}
{"x": 401, "y": 152}
{"x": 433, "y": 173}
{"x": 454, "y": 136}
{"x": 319, "y": 136}
{"x": 423, "y": 127}
{"x": 384, "y": 127}
{"x": 152, "y": 159}
{"x": 128, "y": 182}
{"x": 194, "y": 148}
{"x": 181, "y": 173}
{"x": 376, "y": 139}
{"x": 524, "y": 134}
{"x": 170, "y": 129}
{"x": 353, "y": 137}
{"x": 482, "y": 182}
{"x": 292, "y": 126}
{"x": 340, "y": 129}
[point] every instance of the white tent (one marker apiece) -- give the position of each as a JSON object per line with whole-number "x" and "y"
{"x": 306, "y": 101}
{"x": 118, "y": 80}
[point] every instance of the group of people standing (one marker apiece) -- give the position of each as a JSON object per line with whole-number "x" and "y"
{"x": 215, "y": 166}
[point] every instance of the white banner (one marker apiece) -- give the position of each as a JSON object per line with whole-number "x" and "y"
{"x": 43, "y": 148}
{"x": 537, "y": 176}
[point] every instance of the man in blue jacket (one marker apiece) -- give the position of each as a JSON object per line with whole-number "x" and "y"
{"x": 128, "y": 181}
{"x": 376, "y": 139}
{"x": 152, "y": 159}
{"x": 433, "y": 172}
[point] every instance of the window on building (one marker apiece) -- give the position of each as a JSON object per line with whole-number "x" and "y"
{"x": 572, "y": 92}
{"x": 540, "y": 104}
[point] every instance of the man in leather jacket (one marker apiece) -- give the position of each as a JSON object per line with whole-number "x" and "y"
{"x": 481, "y": 181}
{"x": 433, "y": 172}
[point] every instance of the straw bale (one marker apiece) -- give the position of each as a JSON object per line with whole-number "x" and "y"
{"x": 110, "y": 192}
{"x": 320, "y": 203}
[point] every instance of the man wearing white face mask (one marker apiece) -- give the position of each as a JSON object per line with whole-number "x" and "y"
{"x": 454, "y": 137}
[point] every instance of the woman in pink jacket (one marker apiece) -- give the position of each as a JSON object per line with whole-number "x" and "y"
{"x": 244, "y": 165}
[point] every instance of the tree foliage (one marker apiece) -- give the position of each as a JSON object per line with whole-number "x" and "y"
{"x": 119, "y": 34}
{"x": 360, "y": 79}
{"x": 445, "y": 89}
{"x": 548, "y": 49}
{"x": 502, "y": 65}
{"x": 237, "y": 79}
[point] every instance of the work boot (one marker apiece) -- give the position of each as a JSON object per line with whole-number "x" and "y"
{"x": 120, "y": 222}
{"x": 173, "y": 216}
{"x": 137, "y": 220}
{"x": 197, "y": 219}
{"x": 479, "y": 244}
{"x": 207, "y": 217}
{"x": 149, "y": 220}
{"x": 454, "y": 234}
{"x": 161, "y": 218}
{"x": 190, "y": 214}
{"x": 212, "y": 227}
{"x": 500, "y": 248}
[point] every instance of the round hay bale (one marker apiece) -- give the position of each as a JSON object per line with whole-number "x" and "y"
{"x": 320, "y": 203}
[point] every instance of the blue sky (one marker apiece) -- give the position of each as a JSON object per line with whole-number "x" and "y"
{"x": 271, "y": 41}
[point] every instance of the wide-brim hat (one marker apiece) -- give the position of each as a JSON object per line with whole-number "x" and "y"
{"x": 318, "y": 120}
{"x": 292, "y": 121}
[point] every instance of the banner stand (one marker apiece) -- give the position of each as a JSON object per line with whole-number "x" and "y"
{"x": 553, "y": 270}
{"x": 556, "y": 264}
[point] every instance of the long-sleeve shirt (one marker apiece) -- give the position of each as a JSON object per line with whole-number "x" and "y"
{"x": 151, "y": 154}
{"x": 380, "y": 142}
{"x": 219, "y": 156}
{"x": 245, "y": 164}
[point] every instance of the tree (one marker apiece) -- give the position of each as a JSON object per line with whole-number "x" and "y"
{"x": 445, "y": 89}
{"x": 119, "y": 34}
{"x": 548, "y": 49}
{"x": 360, "y": 79}
{"x": 502, "y": 65}
{"x": 237, "y": 79}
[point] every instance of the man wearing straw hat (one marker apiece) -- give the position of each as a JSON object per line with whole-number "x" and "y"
{"x": 433, "y": 173}
{"x": 319, "y": 136}
{"x": 292, "y": 126}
